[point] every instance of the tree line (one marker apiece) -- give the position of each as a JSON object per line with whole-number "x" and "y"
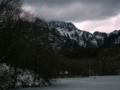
{"x": 98, "y": 61}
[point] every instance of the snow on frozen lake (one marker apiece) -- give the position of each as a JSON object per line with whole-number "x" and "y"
{"x": 88, "y": 83}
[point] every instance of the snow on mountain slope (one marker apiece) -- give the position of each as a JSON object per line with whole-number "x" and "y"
{"x": 64, "y": 35}
{"x": 83, "y": 38}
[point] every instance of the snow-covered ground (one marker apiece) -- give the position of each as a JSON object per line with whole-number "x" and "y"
{"x": 100, "y": 83}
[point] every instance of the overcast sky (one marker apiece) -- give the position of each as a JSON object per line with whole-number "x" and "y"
{"x": 88, "y": 15}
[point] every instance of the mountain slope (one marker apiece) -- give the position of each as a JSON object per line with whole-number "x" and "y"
{"x": 83, "y": 38}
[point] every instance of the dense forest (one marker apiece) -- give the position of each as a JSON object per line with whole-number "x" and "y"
{"x": 21, "y": 49}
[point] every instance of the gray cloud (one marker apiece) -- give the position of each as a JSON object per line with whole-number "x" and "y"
{"x": 74, "y": 10}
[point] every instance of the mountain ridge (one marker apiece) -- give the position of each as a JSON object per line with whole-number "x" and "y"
{"x": 84, "y": 38}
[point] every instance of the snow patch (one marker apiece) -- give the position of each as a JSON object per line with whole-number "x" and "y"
{"x": 90, "y": 35}
{"x": 99, "y": 37}
{"x": 81, "y": 43}
{"x": 94, "y": 42}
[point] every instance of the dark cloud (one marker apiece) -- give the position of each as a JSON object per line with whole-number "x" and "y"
{"x": 74, "y": 10}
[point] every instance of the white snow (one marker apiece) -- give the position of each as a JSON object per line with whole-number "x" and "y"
{"x": 81, "y": 42}
{"x": 89, "y": 83}
{"x": 99, "y": 37}
{"x": 62, "y": 31}
{"x": 90, "y": 35}
{"x": 81, "y": 33}
{"x": 78, "y": 31}
{"x": 65, "y": 32}
{"x": 94, "y": 41}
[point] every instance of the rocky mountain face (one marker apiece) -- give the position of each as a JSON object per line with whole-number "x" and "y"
{"x": 86, "y": 39}
{"x": 65, "y": 36}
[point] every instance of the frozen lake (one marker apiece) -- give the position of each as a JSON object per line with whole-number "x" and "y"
{"x": 100, "y": 83}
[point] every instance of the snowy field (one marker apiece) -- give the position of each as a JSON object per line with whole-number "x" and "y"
{"x": 100, "y": 83}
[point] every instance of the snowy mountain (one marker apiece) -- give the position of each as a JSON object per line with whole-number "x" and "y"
{"x": 62, "y": 35}
{"x": 83, "y": 38}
